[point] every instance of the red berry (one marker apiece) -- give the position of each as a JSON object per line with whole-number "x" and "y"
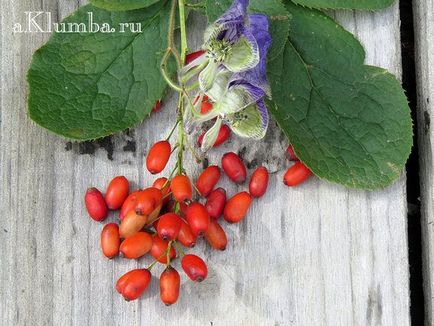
{"x": 206, "y": 105}
{"x": 131, "y": 224}
{"x": 158, "y": 248}
{"x": 234, "y": 167}
{"x": 224, "y": 134}
{"x": 158, "y": 156}
{"x": 110, "y": 240}
{"x": 157, "y": 106}
{"x": 132, "y": 284}
{"x": 148, "y": 201}
{"x": 181, "y": 188}
{"x": 216, "y": 236}
{"x": 291, "y": 154}
{"x": 236, "y": 208}
{"x": 215, "y": 203}
{"x": 186, "y": 236}
{"x": 168, "y": 226}
{"x": 258, "y": 182}
{"x": 194, "y": 267}
{"x": 198, "y": 218}
{"x": 208, "y": 179}
{"x": 129, "y": 204}
{"x": 136, "y": 246}
{"x": 117, "y": 192}
{"x": 159, "y": 184}
{"x": 296, "y": 174}
{"x": 170, "y": 282}
{"x": 192, "y": 56}
{"x": 95, "y": 205}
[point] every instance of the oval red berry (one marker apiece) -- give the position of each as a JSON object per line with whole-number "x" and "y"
{"x": 117, "y": 192}
{"x": 296, "y": 174}
{"x": 110, "y": 240}
{"x": 234, "y": 167}
{"x": 158, "y": 156}
{"x": 198, "y": 218}
{"x": 236, "y": 208}
{"x": 168, "y": 226}
{"x": 194, "y": 267}
{"x": 215, "y": 203}
{"x": 259, "y": 182}
{"x": 95, "y": 205}
{"x": 208, "y": 179}
{"x": 170, "y": 282}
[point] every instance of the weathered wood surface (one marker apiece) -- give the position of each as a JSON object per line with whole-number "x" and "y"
{"x": 314, "y": 255}
{"x": 424, "y": 37}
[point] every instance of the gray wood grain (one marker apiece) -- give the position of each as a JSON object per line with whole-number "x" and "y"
{"x": 318, "y": 254}
{"x": 424, "y": 37}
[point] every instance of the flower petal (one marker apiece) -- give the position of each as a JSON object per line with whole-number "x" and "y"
{"x": 236, "y": 98}
{"x": 251, "y": 122}
{"x": 244, "y": 54}
{"x": 220, "y": 86}
{"x": 211, "y": 136}
{"x": 207, "y": 76}
{"x": 230, "y": 24}
{"x": 257, "y": 76}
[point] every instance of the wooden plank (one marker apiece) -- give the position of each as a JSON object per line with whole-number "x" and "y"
{"x": 424, "y": 41}
{"x": 314, "y": 255}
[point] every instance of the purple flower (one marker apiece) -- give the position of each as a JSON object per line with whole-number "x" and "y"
{"x": 233, "y": 73}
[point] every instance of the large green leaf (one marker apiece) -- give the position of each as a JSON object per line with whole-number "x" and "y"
{"x": 122, "y": 5}
{"x": 350, "y": 123}
{"x": 345, "y": 4}
{"x": 274, "y": 9}
{"x": 89, "y": 85}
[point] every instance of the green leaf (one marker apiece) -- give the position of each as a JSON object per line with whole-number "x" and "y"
{"x": 122, "y": 5}
{"x": 90, "y": 85}
{"x": 348, "y": 122}
{"x": 345, "y": 4}
{"x": 214, "y": 9}
{"x": 274, "y": 9}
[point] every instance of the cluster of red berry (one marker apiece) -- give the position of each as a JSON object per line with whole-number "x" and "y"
{"x": 159, "y": 219}
{"x": 165, "y": 218}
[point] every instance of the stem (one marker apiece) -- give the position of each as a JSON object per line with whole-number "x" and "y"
{"x": 180, "y": 88}
{"x": 168, "y": 253}
{"x": 171, "y": 50}
{"x": 177, "y": 208}
{"x": 197, "y": 190}
{"x": 174, "y": 149}
{"x": 180, "y": 134}
{"x": 165, "y": 74}
{"x": 170, "y": 38}
{"x": 184, "y": 45}
{"x": 172, "y": 131}
{"x": 179, "y": 248}
{"x": 152, "y": 265}
{"x": 193, "y": 152}
{"x": 167, "y": 195}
